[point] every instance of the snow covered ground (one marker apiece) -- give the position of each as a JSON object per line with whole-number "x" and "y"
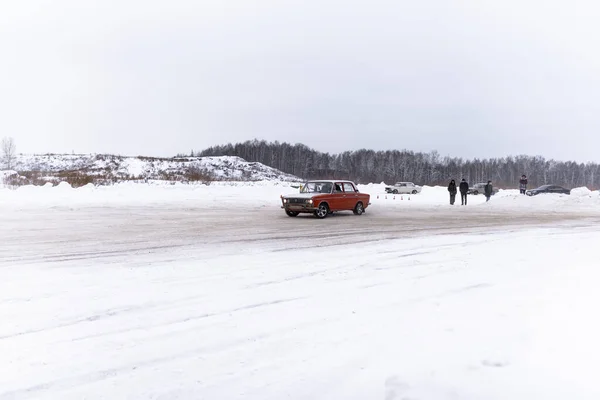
{"x": 212, "y": 292}
{"x": 222, "y": 168}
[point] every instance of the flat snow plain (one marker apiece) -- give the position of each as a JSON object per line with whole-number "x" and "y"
{"x": 212, "y": 292}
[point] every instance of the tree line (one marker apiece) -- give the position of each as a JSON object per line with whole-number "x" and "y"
{"x": 366, "y": 166}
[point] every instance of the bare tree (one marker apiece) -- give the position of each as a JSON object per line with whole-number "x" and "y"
{"x": 9, "y": 151}
{"x": 366, "y": 166}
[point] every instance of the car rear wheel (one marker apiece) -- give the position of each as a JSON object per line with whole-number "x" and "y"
{"x": 475, "y": 192}
{"x": 359, "y": 208}
{"x": 291, "y": 213}
{"x": 322, "y": 211}
{"x": 395, "y": 191}
{"x": 414, "y": 191}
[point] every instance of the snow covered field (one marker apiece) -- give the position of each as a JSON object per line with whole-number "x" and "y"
{"x": 212, "y": 292}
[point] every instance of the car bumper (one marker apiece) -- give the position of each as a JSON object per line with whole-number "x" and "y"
{"x": 299, "y": 207}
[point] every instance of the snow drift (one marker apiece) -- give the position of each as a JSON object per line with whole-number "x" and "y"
{"x": 118, "y": 168}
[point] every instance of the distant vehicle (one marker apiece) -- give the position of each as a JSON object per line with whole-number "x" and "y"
{"x": 480, "y": 188}
{"x": 548, "y": 189}
{"x": 404, "y": 188}
{"x": 322, "y": 198}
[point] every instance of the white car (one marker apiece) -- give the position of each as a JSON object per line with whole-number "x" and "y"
{"x": 404, "y": 188}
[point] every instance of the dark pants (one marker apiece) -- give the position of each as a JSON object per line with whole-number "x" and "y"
{"x": 452, "y": 198}
{"x": 463, "y": 198}
{"x": 487, "y": 198}
{"x": 523, "y": 191}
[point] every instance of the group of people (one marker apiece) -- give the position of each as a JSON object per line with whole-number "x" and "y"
{"x": 488, "y": 189}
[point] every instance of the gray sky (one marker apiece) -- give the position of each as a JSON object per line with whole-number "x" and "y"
{"x": 470, "y": 79}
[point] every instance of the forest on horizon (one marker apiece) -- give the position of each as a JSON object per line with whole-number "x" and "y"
{"x": 366, "y": 166}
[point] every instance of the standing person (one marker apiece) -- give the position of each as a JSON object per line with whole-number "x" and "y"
{"x": 523, "y": 184}
{"x": 452, "y": 190}
{"x": 464, "y": 188}
{"x": 488, "y": 189}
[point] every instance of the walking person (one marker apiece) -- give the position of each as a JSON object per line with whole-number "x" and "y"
{"x": 523, "y": 184}
{"x": 464, "y": 189}
{"x": 488, "y": 190}
{"x": 452, "y": 190}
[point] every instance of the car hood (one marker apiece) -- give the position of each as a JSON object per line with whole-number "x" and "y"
{"x": 301, "y": 195}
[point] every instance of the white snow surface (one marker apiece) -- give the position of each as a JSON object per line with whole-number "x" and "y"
{"x": 223, "y": 167}
{"x": 267, "y": 192}
{"x": 156, "y": 291}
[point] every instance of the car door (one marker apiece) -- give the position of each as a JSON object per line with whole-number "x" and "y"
{"x": 554, "y": 189}
{"x": 336, "y": 198}
{"x": 560, "y": 190}
{"x": 350, "y": 196}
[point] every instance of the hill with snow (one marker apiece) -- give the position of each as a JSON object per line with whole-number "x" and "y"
{"x": 81, "y": 169}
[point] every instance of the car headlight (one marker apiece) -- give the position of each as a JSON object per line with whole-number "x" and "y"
{"x": 285, "y": 200}
{"x": 309, "y": 201}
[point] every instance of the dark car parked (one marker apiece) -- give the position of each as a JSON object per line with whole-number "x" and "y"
{"x": 480, "y": 188}
{"x": 548, "y": 189}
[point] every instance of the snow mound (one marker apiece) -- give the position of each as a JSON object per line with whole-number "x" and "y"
{"x": 438, "y": 197}
{"x": 116, "y": 168}
{"x": 581, "y": 192}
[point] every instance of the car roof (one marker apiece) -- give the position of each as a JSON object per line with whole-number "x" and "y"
{"x": 329, "y": 181}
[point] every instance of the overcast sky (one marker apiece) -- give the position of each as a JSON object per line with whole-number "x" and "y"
{"x": 147, "y": 77}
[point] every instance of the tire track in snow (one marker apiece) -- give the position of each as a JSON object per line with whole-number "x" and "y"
{"x": 198, "y": 352}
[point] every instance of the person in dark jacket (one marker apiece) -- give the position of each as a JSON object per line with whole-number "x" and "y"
{"x": 464, "y": 189}
{"x": 488, "y": 190}
{"x": 523, "y": 184}
{"x": 452, "y": 190}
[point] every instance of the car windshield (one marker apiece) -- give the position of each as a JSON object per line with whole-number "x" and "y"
{"x": 544, "y": 187}
{"x": 317, "y": 187}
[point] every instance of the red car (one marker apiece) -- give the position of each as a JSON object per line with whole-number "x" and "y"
{"x": 322, "y": 198}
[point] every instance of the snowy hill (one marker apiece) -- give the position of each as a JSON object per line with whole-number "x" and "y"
{"x": 99, "y": 168}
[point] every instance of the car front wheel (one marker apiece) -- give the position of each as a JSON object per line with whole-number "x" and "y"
{"x": 291, "y": 213}
{"x": 359, "y": 208}
{"x": 322, "y": 211}
{"x": 395, "y": 191}
{"x": 414, "y": 191}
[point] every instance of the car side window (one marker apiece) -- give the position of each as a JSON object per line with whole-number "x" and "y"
{"x": 338, "y": 188}
{"x": 348, "y": 187}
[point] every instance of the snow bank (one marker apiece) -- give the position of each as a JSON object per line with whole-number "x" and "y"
{"x": 222, "y": 167}
{"x": 580, "y": 198}
{"x": 267, "y": 193}
{"x": 258, "y": 193}
{"x": 437, "y": 196}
